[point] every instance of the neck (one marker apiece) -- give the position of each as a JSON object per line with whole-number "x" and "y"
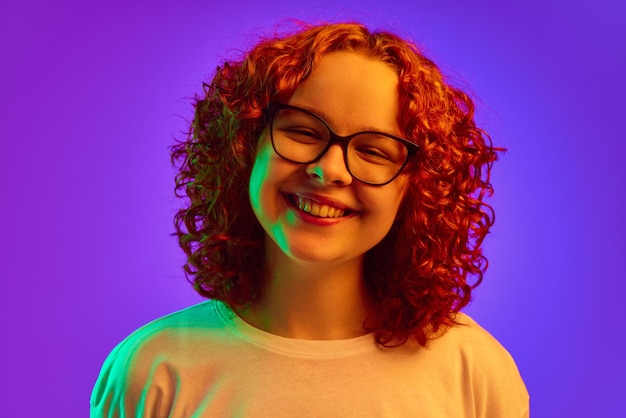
{"x": 314, "y": 301}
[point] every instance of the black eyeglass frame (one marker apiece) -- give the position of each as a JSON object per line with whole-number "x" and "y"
{"x": 343, "y": 142}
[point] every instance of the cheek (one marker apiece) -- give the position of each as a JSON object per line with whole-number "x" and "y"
{"x": 397, "y": 194}
{"x": 393, "y": 200}
{"x": 259, "y": 176}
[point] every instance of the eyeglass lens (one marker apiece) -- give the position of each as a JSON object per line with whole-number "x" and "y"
{"x": 301, "y": 137}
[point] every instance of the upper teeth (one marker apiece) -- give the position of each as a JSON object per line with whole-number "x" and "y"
{"x": 319, "y": 209}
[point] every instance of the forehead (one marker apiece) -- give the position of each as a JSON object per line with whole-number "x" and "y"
{"x": 352, "y": 92}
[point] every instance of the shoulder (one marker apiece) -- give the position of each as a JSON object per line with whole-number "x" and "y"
{"x": 472, "y": 341}
{"x": 175, "y": 328}
{"x": 147, "y": 354}
{"x": 478, "y": 351}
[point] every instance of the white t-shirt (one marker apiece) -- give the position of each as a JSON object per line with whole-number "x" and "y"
{"x": 204, "y": 361}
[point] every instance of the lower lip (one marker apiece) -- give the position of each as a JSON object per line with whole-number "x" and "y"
{"x": 315, "y": 220}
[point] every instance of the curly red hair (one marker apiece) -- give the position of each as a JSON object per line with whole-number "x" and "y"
{"x": 424, "y": 270}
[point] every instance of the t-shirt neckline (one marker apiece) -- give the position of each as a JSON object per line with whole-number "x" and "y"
{"x": 293, "y": 346}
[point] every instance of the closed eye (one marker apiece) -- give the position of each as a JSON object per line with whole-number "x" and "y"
{"x": 373, "y": 154}
{"x": 303, "y": 135}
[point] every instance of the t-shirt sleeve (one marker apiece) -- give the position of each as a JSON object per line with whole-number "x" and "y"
{"x": 505, "y": 394}
{"x": 133, "y": 382}
{"x": 499, "y": 388}
{"x": 141, "y": 376}
{"x": 109, "y": 393}
{"x": 117, "y": 392}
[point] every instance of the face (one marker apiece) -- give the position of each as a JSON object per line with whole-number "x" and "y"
{"x": 317, "y": 213}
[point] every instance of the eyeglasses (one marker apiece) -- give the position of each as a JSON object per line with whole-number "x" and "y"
{"x": 300, "y": 136}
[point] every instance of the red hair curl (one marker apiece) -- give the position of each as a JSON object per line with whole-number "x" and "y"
{"x": 424, "y": 270}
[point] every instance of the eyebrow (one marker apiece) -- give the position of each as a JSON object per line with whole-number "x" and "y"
{"x": 325, "y": 117}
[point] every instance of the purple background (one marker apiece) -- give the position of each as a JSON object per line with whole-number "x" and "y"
{"x": 92, "y": 95}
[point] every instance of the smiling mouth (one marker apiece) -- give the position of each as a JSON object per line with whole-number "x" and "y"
{"x": 317, "y": 209}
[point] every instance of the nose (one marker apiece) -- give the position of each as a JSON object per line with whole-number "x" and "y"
{"x": 330, "y": 168}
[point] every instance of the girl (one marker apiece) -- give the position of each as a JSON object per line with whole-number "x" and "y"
{"x": 334, "y": 183}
